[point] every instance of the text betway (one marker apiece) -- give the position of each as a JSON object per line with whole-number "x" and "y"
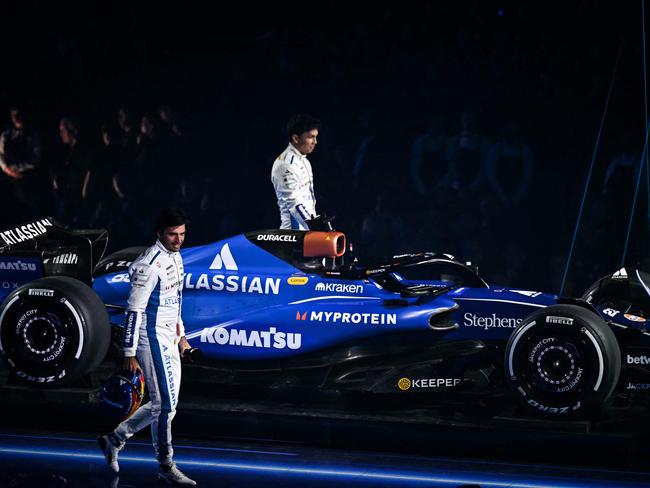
{"x": 233, "y": 283}
{"x": 25, "y": 232}
{"x": 354, "y": 318}
{"x": 268, "y": 339}
{"x": 638, "y": 359}
{"x": 339, "y": 287}
{"x": 473, "y": 320}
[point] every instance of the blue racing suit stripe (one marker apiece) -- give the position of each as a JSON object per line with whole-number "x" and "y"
{"x": 161, "y": 377}
{"x": 300, "y": 208}
{"x": 129, "y": 329}
{"x": 154, "y": 257}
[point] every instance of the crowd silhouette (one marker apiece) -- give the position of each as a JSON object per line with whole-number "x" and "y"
{"x": 463, "y": 130}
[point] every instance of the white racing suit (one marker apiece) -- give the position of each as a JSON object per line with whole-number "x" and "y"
{"x": 293, "y": 181}
{"x": 152, "y": 329}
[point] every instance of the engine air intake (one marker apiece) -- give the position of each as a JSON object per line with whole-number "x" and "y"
{"x": 324, "y": 244}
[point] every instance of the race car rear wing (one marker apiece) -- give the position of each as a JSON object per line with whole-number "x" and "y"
{"x": 63, "y": 251}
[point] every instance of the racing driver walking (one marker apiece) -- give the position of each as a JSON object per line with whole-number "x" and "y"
{"x": 154, "y": 339}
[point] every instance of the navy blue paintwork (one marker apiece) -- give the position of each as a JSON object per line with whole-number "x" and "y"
{"x": 242, "y": 302}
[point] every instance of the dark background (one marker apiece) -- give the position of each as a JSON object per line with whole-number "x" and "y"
{"x": 532, "y": 74}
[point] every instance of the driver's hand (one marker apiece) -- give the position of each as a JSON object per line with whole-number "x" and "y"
{"x": 131, "y": 365}
{"x": 183, "y": 345}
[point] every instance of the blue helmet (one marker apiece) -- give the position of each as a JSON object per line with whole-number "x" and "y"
{"x": 122, "y": 394}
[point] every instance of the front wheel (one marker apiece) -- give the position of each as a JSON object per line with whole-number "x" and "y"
{"x": 563, "y": 361}
{"x": 53, "y": 331}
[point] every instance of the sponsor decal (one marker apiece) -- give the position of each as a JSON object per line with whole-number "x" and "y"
{"x": 332, "y": 273}
{"x": 404, "y": 384}
{"x": 40, "y": 379}
{"x": 531, "y": 294}
{"x": 267, "y": 339}
{"x": 375, "y": 271}
{"x": 408, "y": 383}
{"x": 610, "y": 312}
{"x": 621, "y": 274}
{"x": 8, "y": 285}
{"x": 25, "y": 232}
{"x": 171, "y": 301}
{"x": 473, "y": 320}
{"x": 297, "y": 280}
{"x": 224, "y": 260}
{"x": 638, "y": 386}
{"x": 339, "y": 287}
{"x": 538, "y": 346}
{"x": 67, "y": 258}
{"x": 277, "y": 237}
{"x": 169, "y": 371}
{"x": 129, "y": 328}
{"x": 552, "y": 410}
{"x": 233, "y": 283}
{"x": 633, "y": 318}
{"x": 17, "y": 265}
{"x": 643, "y": 360}
{"x": 350, "y": 318}
{"x": 119, "y": 264}
{"x": 122, "y": 277}
{"x": 40, "y": 292}
{"x": 553, "y": 319}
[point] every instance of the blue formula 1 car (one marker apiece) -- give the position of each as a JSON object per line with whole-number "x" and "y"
{"x": 293, "y": 307}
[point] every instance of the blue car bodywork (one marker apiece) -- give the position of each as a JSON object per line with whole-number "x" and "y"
{"x": 293, "y": 308}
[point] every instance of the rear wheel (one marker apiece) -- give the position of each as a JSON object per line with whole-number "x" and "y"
{"x": 118, "y": 261}
{"x": 563, "y": 361}
{"x": 53, "y": 331}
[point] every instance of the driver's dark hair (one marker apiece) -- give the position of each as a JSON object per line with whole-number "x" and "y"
{"x": 170, "y": 217}
{"x": 300, "y": 123}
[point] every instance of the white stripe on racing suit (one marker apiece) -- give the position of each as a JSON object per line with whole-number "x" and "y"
{"x": 153, "y": 326}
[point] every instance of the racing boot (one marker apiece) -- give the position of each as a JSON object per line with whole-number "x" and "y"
{"x": 171, "y": 475}
{"x": 110, "y": 448}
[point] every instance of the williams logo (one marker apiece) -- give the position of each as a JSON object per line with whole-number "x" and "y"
{"x": 224, "y": 260}
{"x": 552, "y": 319}
{"x": 339, "y": 287}
{"x": 621, "y": 274}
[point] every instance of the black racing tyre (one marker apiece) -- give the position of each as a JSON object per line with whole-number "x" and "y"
{"x": 563, "y": 361}
{"x": 118, "y": 261}
{"x": 53, "y": 331}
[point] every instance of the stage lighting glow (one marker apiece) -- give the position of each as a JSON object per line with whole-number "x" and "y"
{"x": 367, "y": 474}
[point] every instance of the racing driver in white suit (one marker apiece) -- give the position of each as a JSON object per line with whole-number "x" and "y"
{"x": 292, "y": 175}
{"x": 154, "y": 338}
